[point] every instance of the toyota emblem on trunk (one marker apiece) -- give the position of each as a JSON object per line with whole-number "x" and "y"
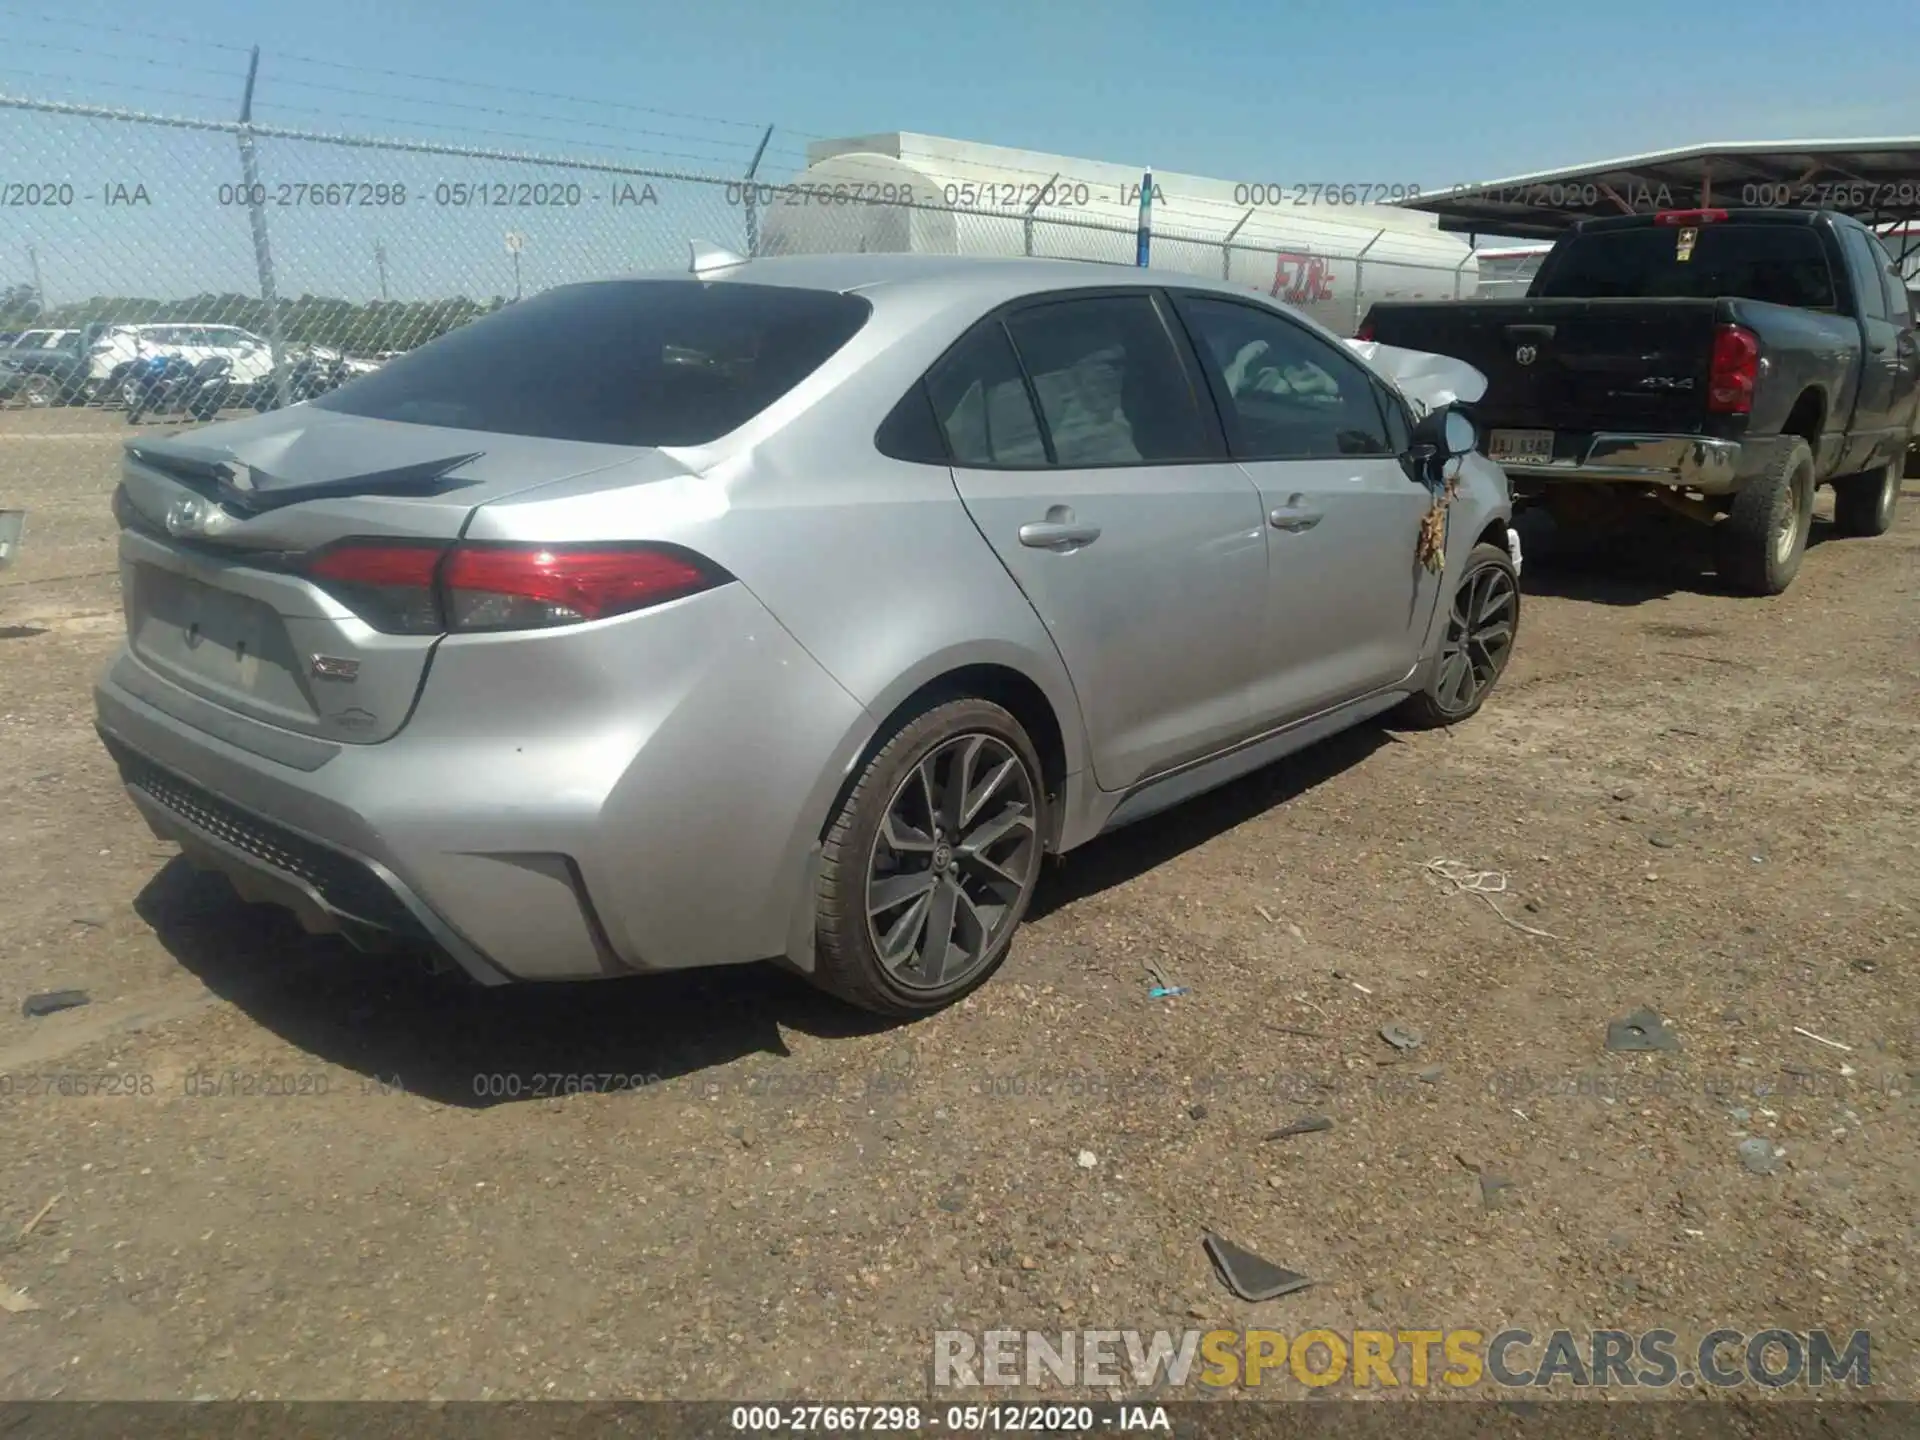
{"x": 194, "y": 517}
{"x": 186, "y": 517}
{"x": 1526, "y": 355}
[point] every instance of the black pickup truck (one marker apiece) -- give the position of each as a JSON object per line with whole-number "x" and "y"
{"x": 1725, "y": 363}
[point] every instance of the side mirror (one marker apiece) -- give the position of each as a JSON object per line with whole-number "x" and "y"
{"x": 1447, "y": 433}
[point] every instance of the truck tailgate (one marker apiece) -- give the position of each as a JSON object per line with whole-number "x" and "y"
{"x": 1580, "y": 365}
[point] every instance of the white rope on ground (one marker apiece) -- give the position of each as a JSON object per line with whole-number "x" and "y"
{"x": 1456, "y": 878}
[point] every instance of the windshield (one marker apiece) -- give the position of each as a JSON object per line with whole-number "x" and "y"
{"x": 617, "y": 362}
{"x": 1779, "y": 264}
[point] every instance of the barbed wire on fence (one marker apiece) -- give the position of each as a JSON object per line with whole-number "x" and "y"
{"x": 288, "y": 252}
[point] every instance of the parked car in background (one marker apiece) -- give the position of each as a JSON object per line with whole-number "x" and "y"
{"x": 797, "y": 607}
{"x": 1723, "y": 362}
{"x": 249, "y": 359}
{"x": 45, "y": 367}
{"x": 31, "y": 339}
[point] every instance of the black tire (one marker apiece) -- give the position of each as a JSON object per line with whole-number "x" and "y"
{"x": 1863, "y": 505}
{"x": 37, "y": 391}
{"x": 1442, "y": 702}
{"x": 1758, "y": 553}
{"x": 848, "y": 960}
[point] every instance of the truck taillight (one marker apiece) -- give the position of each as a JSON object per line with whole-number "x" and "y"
{"x": 1365, "y": 332}
{"x": 411, "y": 588}
{"x": 1736, "y": 366}
{"x": 1688, "y": 217}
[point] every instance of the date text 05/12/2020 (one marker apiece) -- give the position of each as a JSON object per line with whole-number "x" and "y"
{"x": 446, "y": 194}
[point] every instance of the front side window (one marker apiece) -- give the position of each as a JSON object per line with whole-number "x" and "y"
{"x": 1110, "y": 383}
{"x": 1286, "y": 393}
{"x": 1869, "y": 289}
{"x": 1898, "y": 304}
{"x": 614, "y": 362}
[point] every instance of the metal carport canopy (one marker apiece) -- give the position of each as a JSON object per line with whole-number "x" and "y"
{"x": 1877, "y": 181}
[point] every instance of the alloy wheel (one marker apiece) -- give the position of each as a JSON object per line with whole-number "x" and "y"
{"x": 1479, "y": 636}
{"x": 1786, "y": 532}
{"x": 955, "y": 857}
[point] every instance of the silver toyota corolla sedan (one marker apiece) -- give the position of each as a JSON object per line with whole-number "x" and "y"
{"x": 786, "y": 608}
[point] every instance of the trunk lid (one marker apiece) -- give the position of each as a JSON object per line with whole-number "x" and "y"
{"x": 1572, "y": 365}
{"x": 216, "y": 522}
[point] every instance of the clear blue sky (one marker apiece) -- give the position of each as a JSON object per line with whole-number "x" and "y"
{"x": 1428, "y": 91}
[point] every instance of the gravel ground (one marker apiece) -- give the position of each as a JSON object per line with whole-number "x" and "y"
{"x": 1707, "y": 803}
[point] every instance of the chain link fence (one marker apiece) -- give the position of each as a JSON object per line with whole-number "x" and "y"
{"x": 299, "y": 259}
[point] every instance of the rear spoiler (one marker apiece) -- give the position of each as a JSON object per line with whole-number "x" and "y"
{"x": 248, "y": 490}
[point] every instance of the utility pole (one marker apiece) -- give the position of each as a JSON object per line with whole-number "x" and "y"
{"x": 39, "y": 291}
{"x": 380, "y": 259}
{"x": 262, "y": 250}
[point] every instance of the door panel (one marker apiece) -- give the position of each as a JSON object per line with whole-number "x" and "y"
{"x": 1880, "y": 357}
{"x": 1905, "y": 403}
{"x": 1347, "y": 601}
{"x": 1087, "y": 463}
{"x": 1156, "y": 617}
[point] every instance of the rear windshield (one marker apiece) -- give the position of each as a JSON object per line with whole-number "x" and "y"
{"x": 1780, "y": 264}
{"x": 615, "y": 362}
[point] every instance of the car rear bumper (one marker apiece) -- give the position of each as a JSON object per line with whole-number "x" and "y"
{"x": 578, "y": 812}
{"x": 328, "y": 889}
{"x": 1690, "y": 462}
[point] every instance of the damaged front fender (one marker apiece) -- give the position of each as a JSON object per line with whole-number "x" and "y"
{"x": 1428, "y": 381}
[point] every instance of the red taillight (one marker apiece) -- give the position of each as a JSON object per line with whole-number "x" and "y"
{"x": 1688, "y": 217}
{"x": 408, "y": 588}
{"x": 373, "y": 563}
{"x": 388, "y": 584}
{"x": 1736, "y": 366}
{"x": 517, "y": 587}
{"x": 1365, "y": 332}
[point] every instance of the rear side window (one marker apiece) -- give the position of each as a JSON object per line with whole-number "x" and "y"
{"x": 1110, "y": 383}
{"x": 1778, "y": 264}
{"x": 614, "y": 362}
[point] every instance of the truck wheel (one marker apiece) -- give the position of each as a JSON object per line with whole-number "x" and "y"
{"x": 1864, "y": 504}
{"x": 931, "y": 862}
{"x": 1482, "y": 622}
{"x": 1765, "y": 532}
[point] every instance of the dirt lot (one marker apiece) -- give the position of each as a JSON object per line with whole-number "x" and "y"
{"x": 1711, "y": 804}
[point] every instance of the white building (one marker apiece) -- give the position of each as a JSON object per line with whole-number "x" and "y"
{"x": 919, "y": 193}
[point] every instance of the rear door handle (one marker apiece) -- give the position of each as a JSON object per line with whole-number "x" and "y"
{"x": 1293, "y": 517}
{"x": 1050, "y": 534}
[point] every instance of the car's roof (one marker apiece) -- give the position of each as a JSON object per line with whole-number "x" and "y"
{"x": 980, "y": 276}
